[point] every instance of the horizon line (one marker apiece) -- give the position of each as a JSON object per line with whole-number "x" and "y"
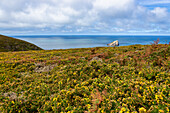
{"x": 89, "y": 34}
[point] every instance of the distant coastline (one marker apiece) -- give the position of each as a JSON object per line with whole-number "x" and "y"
{"x": 13, "y": 44}
{"x": 49, "y": 42}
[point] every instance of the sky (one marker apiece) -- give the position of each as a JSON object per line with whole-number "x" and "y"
{"x": 84, "y": 17}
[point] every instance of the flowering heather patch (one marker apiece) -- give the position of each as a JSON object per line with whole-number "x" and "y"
{"x": 120, "y": 79}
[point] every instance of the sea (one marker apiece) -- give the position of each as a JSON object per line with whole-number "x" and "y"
{"x": 50, "y": 42}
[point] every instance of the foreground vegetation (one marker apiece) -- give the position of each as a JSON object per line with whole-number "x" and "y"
{"x": 120, "y": 79}
{"x": 12, "y": 44}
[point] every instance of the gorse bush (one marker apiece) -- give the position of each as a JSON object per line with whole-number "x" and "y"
{"x": 132, "y": 78}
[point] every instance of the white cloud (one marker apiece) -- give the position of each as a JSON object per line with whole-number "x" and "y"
{"x": 42, "y": 14}
{"x": 160, "y": 12}
{"x": 158, "y": 15}
{"x": 113, "y": 4}
{"x": 1, "y": 14}
{"x": 82, "y": 15}
{"x": 113, "y": 8}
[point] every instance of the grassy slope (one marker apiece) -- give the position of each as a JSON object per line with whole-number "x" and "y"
{"x": 12, "y": 44}
{"x": 132, "y": 78}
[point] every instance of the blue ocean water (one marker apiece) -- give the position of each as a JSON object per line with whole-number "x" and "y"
{"x": 49, "y": 42}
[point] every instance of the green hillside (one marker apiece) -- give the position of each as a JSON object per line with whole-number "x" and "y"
{"x": 12, "y": 44}
{"x": 126, "y": 79}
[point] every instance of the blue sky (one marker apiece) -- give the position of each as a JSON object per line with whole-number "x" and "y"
{"x": 85, "y": 17}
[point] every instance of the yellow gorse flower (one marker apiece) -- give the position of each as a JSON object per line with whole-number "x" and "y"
{"x": 54, "y": 99}
{"x": 142, "y": 110}
{"x": 161, "y": 111}
{"x": 122, "y": 110}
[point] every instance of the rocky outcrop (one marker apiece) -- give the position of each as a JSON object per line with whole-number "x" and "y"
{"x": 114, "y": 43}
{"x": 96, "y": 59}
{"x": 11, "y": 95}
{"x": 41, "y": 67}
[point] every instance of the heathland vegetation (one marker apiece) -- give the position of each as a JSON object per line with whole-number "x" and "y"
{"x": 132, "y": 78}
{"x": 12, "y": 44}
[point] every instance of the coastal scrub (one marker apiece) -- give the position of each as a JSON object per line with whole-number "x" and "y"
{"x": 132, "y": 78}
